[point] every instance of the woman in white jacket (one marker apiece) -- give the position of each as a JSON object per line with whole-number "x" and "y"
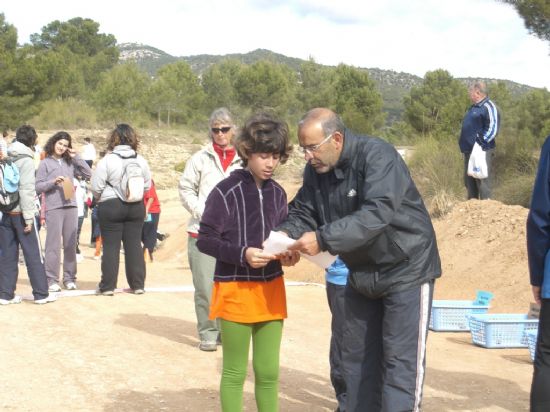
{"x": 119, "y": 218}
{"x": 204, "y": 170}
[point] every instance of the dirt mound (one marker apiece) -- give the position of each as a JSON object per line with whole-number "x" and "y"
{"x": 482, "y": 247}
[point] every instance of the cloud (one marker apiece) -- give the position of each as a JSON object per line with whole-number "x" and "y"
{"x": 470, "y": 38}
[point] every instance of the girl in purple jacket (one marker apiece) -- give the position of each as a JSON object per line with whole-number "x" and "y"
{"x": 249, "y": 293}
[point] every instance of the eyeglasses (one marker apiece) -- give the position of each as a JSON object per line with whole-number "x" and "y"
{"x": 224, "y": 130}
{"x": 314, "y": 147}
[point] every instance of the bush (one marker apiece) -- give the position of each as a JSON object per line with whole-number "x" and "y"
{"x": 437, "y": 167}
{"x": 65, "y": 114}
{"x": 516, "y": 190}
{"x": 178, "y": 167}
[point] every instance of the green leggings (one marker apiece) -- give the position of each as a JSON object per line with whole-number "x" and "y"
{"x": 266, "y": 345}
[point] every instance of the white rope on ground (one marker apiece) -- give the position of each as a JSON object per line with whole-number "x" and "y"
{"x": 169, "y": 289}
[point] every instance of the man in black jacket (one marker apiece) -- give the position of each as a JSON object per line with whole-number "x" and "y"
{"x": 358, "y": 201}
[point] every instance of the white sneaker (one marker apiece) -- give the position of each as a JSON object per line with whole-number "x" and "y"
{"x": 71, "y": 286}
{"x": 54, "y": 287}
{"x": 16, "y": 299}
{"x": 79, "y": 258}
{"x": 48, "y": 299}
{"x": 104, "y": 293}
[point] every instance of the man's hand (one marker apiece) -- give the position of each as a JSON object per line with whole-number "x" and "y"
{"x": 306, "y": 244}
{"x": 257, "y": 258}
{"x": 28, "y": 228}
{"x": 536, "y": 293}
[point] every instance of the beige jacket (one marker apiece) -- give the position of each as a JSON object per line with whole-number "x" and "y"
{"x": 202, "y": 172}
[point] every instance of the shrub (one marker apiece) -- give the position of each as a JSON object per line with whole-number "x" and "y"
{"x": 516, "y": 190}
{"x": 65, "y": 114}
{"x": 178, "y": 167}
{"x": 437, "y": 167}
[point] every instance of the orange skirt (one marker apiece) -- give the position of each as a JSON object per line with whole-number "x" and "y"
{"x": 249, "y": 302}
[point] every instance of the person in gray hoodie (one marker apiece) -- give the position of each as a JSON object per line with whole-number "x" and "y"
{"x": 55, "y": 179}
{"x": 18, "y": 227}
{"x": 120, "y": 219}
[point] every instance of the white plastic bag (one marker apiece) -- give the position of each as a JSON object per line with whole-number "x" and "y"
{"x": 477, "y": 165}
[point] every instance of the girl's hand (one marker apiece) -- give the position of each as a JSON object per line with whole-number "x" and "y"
{"x": 256, "y": 258}
{"x": 289, "y": 258}
{"x": 58, "y": 180}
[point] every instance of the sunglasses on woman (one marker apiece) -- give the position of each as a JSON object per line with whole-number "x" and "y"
{"x": 224, "y": 130}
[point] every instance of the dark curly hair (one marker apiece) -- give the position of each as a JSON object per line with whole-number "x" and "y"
{"x": 263, "y": 133}
{"x": 123, "y": 134}
{"x": 49, "y": 148}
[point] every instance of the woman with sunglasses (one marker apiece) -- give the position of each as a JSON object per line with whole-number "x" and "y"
{"x": 204, "y": 170}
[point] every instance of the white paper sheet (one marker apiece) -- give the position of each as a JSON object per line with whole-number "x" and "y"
{"x": 278, "y": 243}
{"x": 323, "y": 259}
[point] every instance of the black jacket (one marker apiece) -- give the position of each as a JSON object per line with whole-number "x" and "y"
{"x": 368, "y": 211}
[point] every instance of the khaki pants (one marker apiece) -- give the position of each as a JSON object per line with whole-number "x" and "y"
{"x": 202, "y": 268}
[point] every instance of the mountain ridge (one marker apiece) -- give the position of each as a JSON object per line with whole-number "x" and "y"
{"x": 393, "y": 85}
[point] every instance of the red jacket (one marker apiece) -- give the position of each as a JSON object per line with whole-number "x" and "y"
{"x": 152, "y": 194}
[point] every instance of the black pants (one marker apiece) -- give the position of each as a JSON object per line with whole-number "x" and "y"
{"x": 479, "y": 188}
{"x": 384, "y": 349}
{"x": 149, "y": 233}
{"x": 335, "y": 297}
{"x": 120, "y": 221}
{"x": 12, "y": 236}
{"x": 540, "y": 388}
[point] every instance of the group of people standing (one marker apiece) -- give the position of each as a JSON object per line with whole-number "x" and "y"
{"x": 54, "y": 182}
{"x": 357, "y": 201}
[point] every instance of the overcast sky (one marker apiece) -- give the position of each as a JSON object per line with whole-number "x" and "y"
{"x": 469, "y": 38}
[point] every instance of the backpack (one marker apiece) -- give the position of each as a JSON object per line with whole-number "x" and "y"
{"x": 132, "y": 179}
{"x": 9, "y": 185}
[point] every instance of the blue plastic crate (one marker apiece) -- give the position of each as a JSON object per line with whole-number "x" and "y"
{"x": 501, "y": 330}
{"x": 531, "y": 336}
{"x": 451, "y": 315}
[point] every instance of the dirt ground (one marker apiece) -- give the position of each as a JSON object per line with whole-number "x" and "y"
{"x": 139, "y": 353}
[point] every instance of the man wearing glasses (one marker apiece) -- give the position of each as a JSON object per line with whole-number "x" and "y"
{"x": 358, "y": 201}
{"x": 204, "y": 170}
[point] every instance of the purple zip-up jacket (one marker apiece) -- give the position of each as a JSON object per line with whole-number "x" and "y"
{"x": 49, "y": 169}
{"x": 238, "y": 215}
